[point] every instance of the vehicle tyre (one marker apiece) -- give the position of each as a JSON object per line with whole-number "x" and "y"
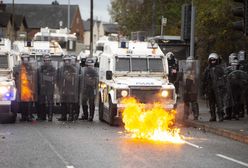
{"x": 100, "y": 108}
{"x": 8, "y": 118}
{"x": 112, "y": 112}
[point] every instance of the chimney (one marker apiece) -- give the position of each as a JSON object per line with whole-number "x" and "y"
{"x": 2, "y": 6}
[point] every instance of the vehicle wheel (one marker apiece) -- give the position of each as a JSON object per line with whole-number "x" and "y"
{"x": 100, "y": 108}
{"x": 8, "y": 118}
{"x": 112, "y": 112}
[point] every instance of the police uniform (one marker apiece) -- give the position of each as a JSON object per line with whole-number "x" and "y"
{"x": 26, "y": 81}
{"x": 68, "y": 84}
{"x": 214, "y": 86}
{"x": 47, "y": 79}
{"x": 88, "y": 89}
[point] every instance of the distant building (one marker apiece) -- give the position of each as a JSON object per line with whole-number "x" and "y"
{"x": 52, "y": 16}
{"x": 11, "y": 26}
{"x": 99, "y": 29}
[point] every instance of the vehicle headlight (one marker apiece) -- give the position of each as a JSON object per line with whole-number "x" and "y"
{"x": 122, "y": 93}
{"x": 4, "y": 89}
{"x": 7, "y": 93}
{"x": 165, "y": 93}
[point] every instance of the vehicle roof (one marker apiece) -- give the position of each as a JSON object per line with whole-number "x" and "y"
{"x": 134, "y": 48}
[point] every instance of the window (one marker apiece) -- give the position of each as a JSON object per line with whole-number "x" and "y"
{"x": 156, "y": 65}
{"x": 139, "y": 64}
{"x": 122, "y": 64}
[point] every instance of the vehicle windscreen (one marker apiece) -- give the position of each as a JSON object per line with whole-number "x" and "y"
{"x": 139, "y": 64}
{"x": 3, "y": 61}
{"x": 155, "y": 65}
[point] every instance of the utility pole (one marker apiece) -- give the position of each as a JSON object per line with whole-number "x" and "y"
{"x": 91, "y": 28}
{"x": 153, "y": 16}
{"x": 192, "y": 32}
{"x": 13, "y": 22}
{"x": 68, "y": 15}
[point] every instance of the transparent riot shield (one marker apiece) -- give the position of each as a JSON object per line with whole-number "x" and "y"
{"x": 88, "y": 82}
{"x": 189, "y": 71}
{"x": 238, "y": 81}
{"x": 26, "y": 80}
{"x": 68, "y": 83}
{"x": 47, "y": 77}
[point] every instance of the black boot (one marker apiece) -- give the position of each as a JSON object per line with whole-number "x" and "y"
{"x": 92, "y": 112}
{"x": 50, "y": 116}
{"x": 195, "y": 109}
{"x": 220, "y": 116}
{"x": 85, "y": 112}
{"x": 212, "y": 113}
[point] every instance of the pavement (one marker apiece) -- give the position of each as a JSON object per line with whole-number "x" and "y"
{"x": 233, "y": 129}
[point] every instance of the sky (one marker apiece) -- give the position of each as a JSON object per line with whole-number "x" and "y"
{"x": 100, "y": 11}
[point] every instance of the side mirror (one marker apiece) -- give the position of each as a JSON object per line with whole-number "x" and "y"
{"x": 109, "y": 75}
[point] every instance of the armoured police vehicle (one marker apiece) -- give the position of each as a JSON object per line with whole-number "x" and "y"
{"x": 137, "y": 69}
{"x": 36, "y": 49}
{"x": 66, "y": 40}
{"x": 7, "y": 83}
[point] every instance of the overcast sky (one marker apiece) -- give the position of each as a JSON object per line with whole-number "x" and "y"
{"x": 100, "y": 7}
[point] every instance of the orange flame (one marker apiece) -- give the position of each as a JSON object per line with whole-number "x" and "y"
{"x": 26, "y": 92}
{"x": 152, "y": 123}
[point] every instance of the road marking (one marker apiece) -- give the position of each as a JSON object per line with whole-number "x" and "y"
{"x": 191, "y": 144}
{"x": 54, "y": 150}
{"x": 233, "y": 160}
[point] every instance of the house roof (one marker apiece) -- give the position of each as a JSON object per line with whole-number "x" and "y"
{"x": 111, "y": 28}
{"x": 108, "y": 27}
{"x": 42, "y": 15}
{"x": 87, "y": 24}
{"x": 6, "y": 17}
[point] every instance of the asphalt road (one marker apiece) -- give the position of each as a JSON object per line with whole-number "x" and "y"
{"x": 97, "y": 145}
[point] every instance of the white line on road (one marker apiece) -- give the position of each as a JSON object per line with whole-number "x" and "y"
{"x": 231, "y": 159}
{"x": 54, "y": 150}
{"x": 191, "y": 144}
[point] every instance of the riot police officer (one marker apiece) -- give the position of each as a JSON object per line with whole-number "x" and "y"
{"x": 47, "y": 79}
{"x": 26, "y": 81}
{"x": 173, "y": 69}
{"x": 214, "y": 86}
{"x": 68, "y": 81}
{"x": 238, "y": 80}
{"x": 89, "y": 89}
{"x": 76, "y": 106}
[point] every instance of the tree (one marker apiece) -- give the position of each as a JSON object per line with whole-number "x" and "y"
{"x": 214, "y": 19}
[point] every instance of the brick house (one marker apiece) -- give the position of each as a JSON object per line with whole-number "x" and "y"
{"x": 43, "y": 15}
{"x": 6, "y": 24}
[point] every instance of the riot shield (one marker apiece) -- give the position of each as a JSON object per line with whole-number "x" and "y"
{"x": 238, "y": 80}
{"x": 68, "y": 83}
{"x": 89, "y": 81}
{"x": 189, "y": 79}
{"x": 26, "y": 80}
{"x": 47, "y": 74}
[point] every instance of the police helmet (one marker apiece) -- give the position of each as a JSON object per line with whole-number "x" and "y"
{"x": 232, "y": 57}
{"x": 25, "y": 57}
{"x": 66, "y": 57}
{"x": 213, "y": 56}
{"x": 47, "y": 57}
{"x": 89, "y": 62}
{"x": 170, "y": 55}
